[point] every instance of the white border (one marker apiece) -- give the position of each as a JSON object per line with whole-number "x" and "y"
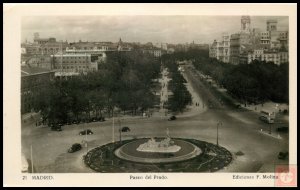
{"x": 11, "y": 98}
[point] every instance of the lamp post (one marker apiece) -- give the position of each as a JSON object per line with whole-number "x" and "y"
{"x": 120, "y": 130}
{"x": 86, "y": 142}
{"x": 113, "y": 128}
{"x": 31, "y": 157}
{"x": 219, "y": 123}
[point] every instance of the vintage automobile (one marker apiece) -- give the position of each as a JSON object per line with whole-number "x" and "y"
{"x": 56, "y": 128}
{"x": 125, "y": 129}
{"x": 283, "y": 155}
{"x": 75, "y": 147}
{"x": 87, "y": 131}
{"x": 172, "y": 118}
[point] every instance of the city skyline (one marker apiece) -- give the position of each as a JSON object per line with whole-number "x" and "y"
{"x": 156, "y": 29}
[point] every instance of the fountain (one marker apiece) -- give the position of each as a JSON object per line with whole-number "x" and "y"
{"x": 164, "y": 146}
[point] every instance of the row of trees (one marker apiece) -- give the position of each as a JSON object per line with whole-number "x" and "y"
{"x": 181, "y": 96}
{"x": 255, "y": 82}
{"x": 124, "y": 82}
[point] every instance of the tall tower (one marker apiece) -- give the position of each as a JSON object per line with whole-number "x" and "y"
{"x": 245, "y": 24}
{"x": 271, "y": 25}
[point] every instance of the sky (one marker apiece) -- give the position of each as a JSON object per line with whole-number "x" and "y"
{"x": 143, "y": 29}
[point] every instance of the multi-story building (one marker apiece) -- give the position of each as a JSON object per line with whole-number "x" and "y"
{"x": 221, "y": 49}
{"x": 74, "y": 63}
{"x": 268, "y": 56}
{"x": 213, "y": 49}
{"x": 225, "y": 48}
{"x": 248, "y": 44}
{"x": 33, "y": 80}
{"x": 235, "y": 49}
{"x": 245, "y": 24}
{"x": 156, "y": 52}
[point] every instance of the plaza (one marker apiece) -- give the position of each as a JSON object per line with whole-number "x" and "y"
{"x": 240, "y": 132}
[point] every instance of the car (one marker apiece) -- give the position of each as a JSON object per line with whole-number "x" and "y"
{"x": 283, "y": 155}
{"x": 56, "y": 128}
{"x": 75, "y": 147}
{"x": 238, "y": 106}
{"x": 283, "y": 129}
{"x": 93, "y": 119}
{"x": 87, "y": 131}
{"x": 125, "y": 129}
{"x": 100, "y": 119}
{"x": 172, "y": 118}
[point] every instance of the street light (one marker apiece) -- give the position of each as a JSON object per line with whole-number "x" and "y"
{"x": 219, "y": 123}
{"x": 120, "y": 130}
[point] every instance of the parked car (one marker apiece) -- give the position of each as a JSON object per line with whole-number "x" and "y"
{"x": 125, "y": 129}
{"x": 283, "y": 129}
{"x": 87, "y": 131}
{"x": 238, "y": 106}
{"x": 93, "y": 119}
{"x": 172, "y": 118}
{"x": 75, "y": 147}
{"x": 283, "y": 155}
{"x": 56, "y": 128}
{"x": 75, "y": 121}
{"x": 100, "y": 119}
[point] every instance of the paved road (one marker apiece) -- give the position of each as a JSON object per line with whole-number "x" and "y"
{"x": 241, "y": 131}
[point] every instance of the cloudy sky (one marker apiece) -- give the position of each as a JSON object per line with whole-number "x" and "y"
{"x": 165, "y": 29}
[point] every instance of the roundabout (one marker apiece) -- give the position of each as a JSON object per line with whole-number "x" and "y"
{"x": 131, "y": 152}
{"x": 127, "y": 156}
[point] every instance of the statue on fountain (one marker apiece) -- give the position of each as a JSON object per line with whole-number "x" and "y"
{"x": 165, "y": 146}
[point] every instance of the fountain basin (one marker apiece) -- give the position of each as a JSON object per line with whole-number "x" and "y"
{"x": 130, "y": 152}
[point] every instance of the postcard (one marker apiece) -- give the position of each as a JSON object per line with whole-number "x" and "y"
{"x": 150, "y": 95}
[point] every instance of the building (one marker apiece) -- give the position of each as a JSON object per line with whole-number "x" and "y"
{"x": 247, "y": 44}
{"x": 225, "y": 48}
{"x": 234, "y": 49}
{"x": 90, "y": 47}
{"x": 156, "y": 52}
{"x": 245, "y": 24}
{"x": 268, "y": 56}
{"x": 75, "y": 63}
{"x": 221, "y": 49}
{"x": 213, "y": 49}
{"x": 33, "y": 80}
{"x": 41, "y": 41}
{"x": 121, "y": 46}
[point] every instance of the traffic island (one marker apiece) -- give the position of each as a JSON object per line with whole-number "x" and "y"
{"x": 123, "y": 157}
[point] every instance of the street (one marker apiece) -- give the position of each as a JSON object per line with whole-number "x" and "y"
{"x": 240, "y": 131}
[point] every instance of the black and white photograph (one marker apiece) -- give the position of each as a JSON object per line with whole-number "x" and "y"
{"x": 149, "y": 96}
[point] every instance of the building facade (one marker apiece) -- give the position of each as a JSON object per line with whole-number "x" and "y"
{"x": 221, "y": 49}
{"x": 235, "y": 49}
{"x": 33, "y": 80}
{"x": 74, "y": 63}
{"x": 247, "y": 44}
{"x": 268, "y": 56}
